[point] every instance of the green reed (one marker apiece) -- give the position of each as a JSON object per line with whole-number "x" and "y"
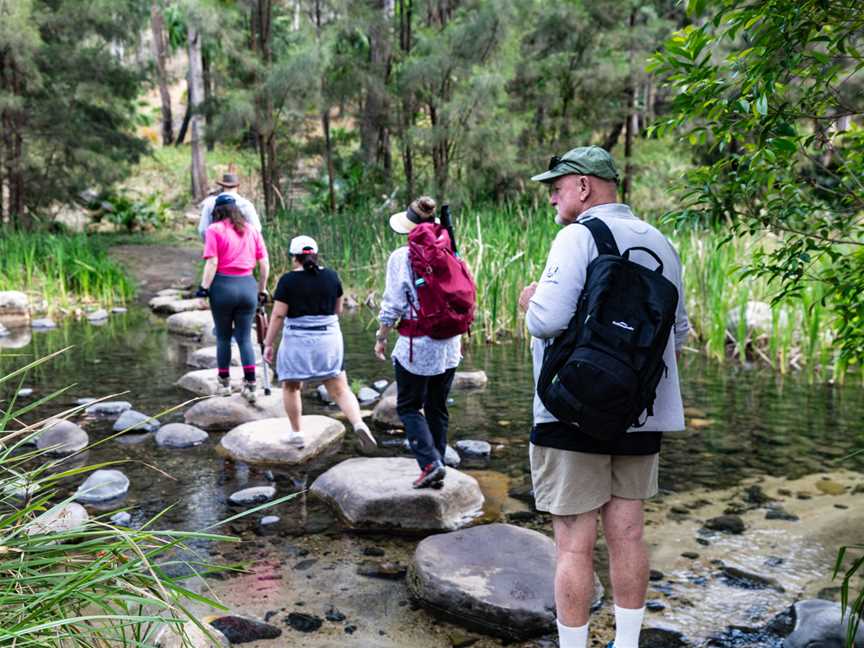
{"x": 61, "y": 269}
{"x": 506, "y": 249}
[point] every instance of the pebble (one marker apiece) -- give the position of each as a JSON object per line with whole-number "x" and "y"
{"x": 727, "y": 524}
{"x": 239, "y": 629}
{"x": 388, "y": 570}
{"x": 334, "y": 615}
{"x": 123, "y": 518}
{"x": 779, "y": 513}
{"x": 690, "y": 555}
{"x": 25, "y": 393}
{"x": 303, "y": 622}
{"x": 654, "y": 605}
{"x": 380, "y": 385}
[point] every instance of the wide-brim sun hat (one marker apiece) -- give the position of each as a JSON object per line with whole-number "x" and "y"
{"x": 303, "y": 245}
{"x": 229, "y": 181}
{"x": 419, "y": 211}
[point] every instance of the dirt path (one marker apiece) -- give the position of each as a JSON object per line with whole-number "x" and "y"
{"x": 156, "y": 267}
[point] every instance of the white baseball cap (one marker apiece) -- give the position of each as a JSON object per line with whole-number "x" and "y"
{"x": 303, "y": 245}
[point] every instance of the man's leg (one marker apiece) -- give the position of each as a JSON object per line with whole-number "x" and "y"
{"x": 574, "y": 575}
{"x": 623, "y": 522}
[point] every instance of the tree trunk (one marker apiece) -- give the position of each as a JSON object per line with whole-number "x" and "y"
{"x": 408, "y": 111}
{"x": 157, "y": 26}
{"x": 181, "y": 135}
{"x": 630, "y": 126}
{"x": 265, "y": 127}
{"x": 374, "y": 126}
{"x": 440, "y": 155}
{"x": 13, "y": 120}
{"x": 197, "y": 121}
{"x": 325, "y": 119}
{"x": 208, "y": 95}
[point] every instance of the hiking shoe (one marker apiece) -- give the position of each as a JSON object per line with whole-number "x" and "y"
{"x": 437, "y": 485}
{"x": 248, "y": 392}
{"x": 296, "y": 439}
{"x": 367, "y": 441}
{"x": 224, "y": 388}
{"x": 432, "y": 473}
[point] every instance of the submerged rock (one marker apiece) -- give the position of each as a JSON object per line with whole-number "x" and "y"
{"x": 61, "y": 437}
{"x": 470, "y": 379}
{"x": 508, "y": 592}
{"x": 474, "y": 452}
{"x": 133, "y": 421}
{"x": 108, "y": 409}
{"x": 180, "y": 435}
{"x": 223, "y": 413}
{"x": 241, "y": 629}
{"x": 748, "y": 580}
{"x": 270, "y": 441}
{"x": 102, "y": 486}
{"x": 252, "y": 496}
{"x": 123, "y": 518}
{"x": 61, "y": 519}
{"x": 376, "y": 493}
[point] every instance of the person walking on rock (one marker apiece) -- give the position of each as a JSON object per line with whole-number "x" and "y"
{"x": 306, "y": 308}
{"x": 578, "y": 478}
{"x": 424, "y": 364}
{"x": 232, "y": 249}
{"x": 229, "y": 183}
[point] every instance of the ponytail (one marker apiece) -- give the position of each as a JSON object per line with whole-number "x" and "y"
{"x": 309, "y": 261}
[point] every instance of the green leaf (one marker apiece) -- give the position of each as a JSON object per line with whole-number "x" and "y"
{"x": 762, "y": 105}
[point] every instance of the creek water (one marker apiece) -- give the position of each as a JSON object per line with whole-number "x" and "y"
{"x": 742, "y": 423}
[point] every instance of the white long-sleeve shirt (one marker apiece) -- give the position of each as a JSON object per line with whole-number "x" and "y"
{"x": 558, "y": 290}
{"x": 246, "y": 208}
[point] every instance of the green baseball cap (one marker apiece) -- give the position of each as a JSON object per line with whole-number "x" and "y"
{"x": 583, "y": 160}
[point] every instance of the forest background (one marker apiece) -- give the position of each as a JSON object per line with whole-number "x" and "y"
{"x": 736, "y": 126}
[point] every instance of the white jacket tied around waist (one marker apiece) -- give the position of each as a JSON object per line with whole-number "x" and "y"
{"x": 558, "y": 290}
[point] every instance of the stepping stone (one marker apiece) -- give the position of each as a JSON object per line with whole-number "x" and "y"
{"x": 98, "y": 315}
{"x": 384, "y": 413}
{"x": 64, "y": 518}
{"x": 205, "y": 357}
{"x": 14, "y": 308}
{"x": 376, "y": 493}
{"x": 451, "y": 457}
{"x": 820, "y": 623}
{"x": 180, "y": 435}
{"x": 101, "y": 486}
{"x": 470, "y": 379}
{"x": 168, "y": 636}
{"x": 43, "y": 324}
{"x": 177, "y": 293}
{"x": 205, "y": 382}
{"x": 367, "y": 395}
{"x": 169, "y": 305}
{"x": 108, "y": 409}
{"x": 195, "y": 324}
{"x": 133, "y": 421}
{"x": 252, "y": 496}
{"x": 266, "y": 441}
{"x": 119, "y": 310}
{"x": 223, "y": 413}
{"x": 380, "y": 385}
{"x": 60, "y": 437}
{"x": 507, "y": 592}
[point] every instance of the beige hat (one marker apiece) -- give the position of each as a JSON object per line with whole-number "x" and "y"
{"x": 419, "y": 211}
{"x": 229, "y": 180}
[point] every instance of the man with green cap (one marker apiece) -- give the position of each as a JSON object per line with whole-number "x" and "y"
{"x": 577, "y": 478}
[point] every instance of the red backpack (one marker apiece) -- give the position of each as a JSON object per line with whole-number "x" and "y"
{"x": 445, "y": 287}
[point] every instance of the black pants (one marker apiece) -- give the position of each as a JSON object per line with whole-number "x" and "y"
{"x": 426, "y": 434}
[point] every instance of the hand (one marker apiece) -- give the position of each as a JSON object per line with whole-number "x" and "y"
{"x": 202, "y": 292}
{"x": 381, "y": 350}
{"x": 268, "y": 353}
{"x": 526, "y": 295}
{"x": 263, "y": 297}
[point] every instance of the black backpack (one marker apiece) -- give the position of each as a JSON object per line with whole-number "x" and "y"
{"x": 602, "y": 372}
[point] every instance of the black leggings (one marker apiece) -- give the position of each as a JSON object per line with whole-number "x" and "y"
{"x": 233, "y": 299}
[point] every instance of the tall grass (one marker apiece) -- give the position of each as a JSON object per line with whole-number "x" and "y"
{"x": 61, "y": 269}
{"x": 506, "y": 248}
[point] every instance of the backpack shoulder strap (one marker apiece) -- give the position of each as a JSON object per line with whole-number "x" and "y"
{"x": 603, "y": 238}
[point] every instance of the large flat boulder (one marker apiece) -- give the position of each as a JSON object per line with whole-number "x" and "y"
{"x": 506, "y": 591}
{"x": 14, "y": 308}
{"x": 223, "y": 413}
{"x": 376, "y": 493}
{"x": 205, "y": 357}
{"x": 268, "y": 441}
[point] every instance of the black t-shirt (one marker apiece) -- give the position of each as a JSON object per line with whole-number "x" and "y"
{"x": 309, "y": 294}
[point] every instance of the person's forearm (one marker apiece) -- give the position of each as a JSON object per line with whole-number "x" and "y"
{"x": 382, "y": 332}
{"x": 273, "y": 329}
{"x": 263, "y": 274}
{"x": 209, "y": 272}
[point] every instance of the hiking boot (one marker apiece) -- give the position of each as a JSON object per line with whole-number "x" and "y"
{"x": 432, "y": 473}
{"x": 248, "y": 392}
{"x": 437, "y": 485}
{"x": 367, "y": 441}
{"x": 224, "y": 388}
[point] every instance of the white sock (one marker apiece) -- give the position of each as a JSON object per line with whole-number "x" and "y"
{"x": 628, "y": 624}
{"x": 572, "y": 637}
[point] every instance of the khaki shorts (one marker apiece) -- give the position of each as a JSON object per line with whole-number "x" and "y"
{"x": 571, "y": 483}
